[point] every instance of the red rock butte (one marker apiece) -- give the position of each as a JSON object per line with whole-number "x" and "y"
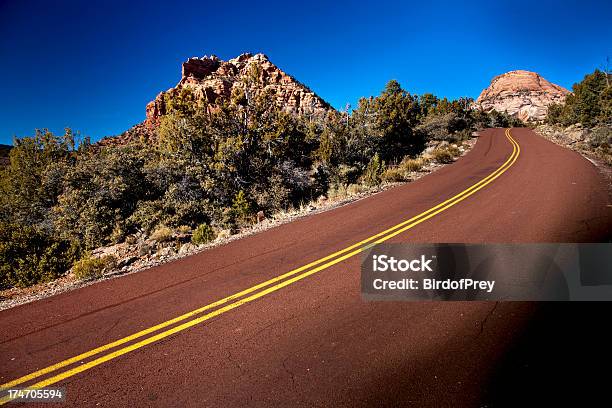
{"x": 522, "y": 94}
{"x": 212, "y": 79}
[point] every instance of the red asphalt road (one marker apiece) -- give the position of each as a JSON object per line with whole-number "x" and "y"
{"x": 315, "y": 342}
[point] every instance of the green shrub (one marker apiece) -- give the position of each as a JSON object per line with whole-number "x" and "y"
{"x": 97, "y": 193}
{"x": 372, "y": 176}
{"x": 463, "y": 135}
{"x": 162, "y": 234}
{"x": 91, "y": 268}
{"x": 273, "y": 196}
{"x": 28, "y": 255}
{"x": 346, "y": 174}
{"x": 241, "y": 209}
{"x": 203, "y": 234}
{"x": 442, "y": 126}
{"x": 590, "y": 102}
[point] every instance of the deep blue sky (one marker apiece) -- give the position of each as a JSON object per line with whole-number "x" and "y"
{"x": 93, "y": 66}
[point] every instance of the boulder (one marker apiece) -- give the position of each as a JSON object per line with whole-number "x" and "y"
{"x": 187, "y": 248}
{"x": 260, "y": 216}
{"x": 165, "y": 252}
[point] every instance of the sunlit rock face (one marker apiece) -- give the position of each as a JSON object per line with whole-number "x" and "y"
{"x": 212, "y": 79}
{"x": 522, "y": 94}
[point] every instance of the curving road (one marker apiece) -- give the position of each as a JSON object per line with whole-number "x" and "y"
{"x": 188, "y": 334}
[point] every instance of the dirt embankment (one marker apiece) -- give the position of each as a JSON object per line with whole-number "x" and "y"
{"x": 594, "y": 144}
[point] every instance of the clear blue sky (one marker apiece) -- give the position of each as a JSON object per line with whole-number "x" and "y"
{"x": 93, "y": 66}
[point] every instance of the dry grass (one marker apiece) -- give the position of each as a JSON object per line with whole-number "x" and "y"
{"x": 91, "y": 268}
{"x": 402, "y": 171}
{"x": 203, "y": 234}
{"x": 445, "y": 154}
{"x": 337, "y": 192}
{"x": 410, "y": 165}
{"x": 162, "y": 234}
{"x": 356, "y": 189}
{"x": 184, "y": 229}
{"x": 394, "y": 174}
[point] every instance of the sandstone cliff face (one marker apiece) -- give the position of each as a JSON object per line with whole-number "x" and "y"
{"x": 212, "y": 79}
{"x": 523, "y": 94}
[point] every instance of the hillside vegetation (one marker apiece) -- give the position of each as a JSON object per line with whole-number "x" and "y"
{"x": 584, "y": 121}
{"x": 207, "y": 171}
{"x": 590, "y": 103}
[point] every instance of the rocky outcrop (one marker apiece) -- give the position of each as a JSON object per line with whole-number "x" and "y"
{"x": 212, "y": 80}
{"x": 523, "y": 94}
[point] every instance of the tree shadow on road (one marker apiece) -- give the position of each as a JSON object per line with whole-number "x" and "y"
{"x": 562, "y": 356}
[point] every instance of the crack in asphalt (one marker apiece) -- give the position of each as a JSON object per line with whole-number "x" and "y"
{"x": 266, "y": 327}
{"x": 234, "y": 362}
{"x": 489, "y": 314}
{"x": 67, "y": 339}
{"x": 113, "y": 326}
{"x": 291, "y": 374}
{"x": 57, "y": 343}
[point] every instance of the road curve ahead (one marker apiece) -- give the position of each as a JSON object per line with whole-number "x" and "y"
{"x": 276, "y": 319}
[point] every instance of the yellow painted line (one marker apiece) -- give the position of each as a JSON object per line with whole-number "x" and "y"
{"x": 387, "y": 234}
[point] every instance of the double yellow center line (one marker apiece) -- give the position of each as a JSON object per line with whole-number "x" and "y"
{"x": 255, "y": 292}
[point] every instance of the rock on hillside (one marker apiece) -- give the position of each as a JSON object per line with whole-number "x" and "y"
{"x": 212, "y": 80}
{"x": 522, "y": 94}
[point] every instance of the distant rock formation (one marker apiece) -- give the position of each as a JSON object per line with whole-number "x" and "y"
{"x": 212, "y": 80}
{"x": 523, "y": 94}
